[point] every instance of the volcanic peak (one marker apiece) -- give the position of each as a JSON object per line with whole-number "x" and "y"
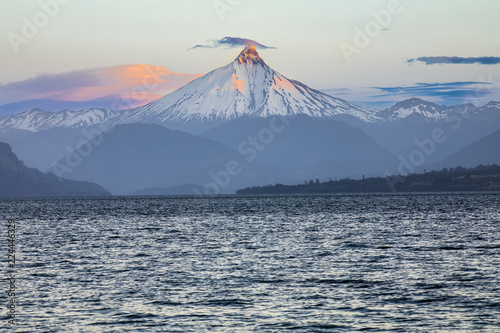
{"x": 249, "y": 56}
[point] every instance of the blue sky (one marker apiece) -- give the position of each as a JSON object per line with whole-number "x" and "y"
{"x": 306, "y": 40}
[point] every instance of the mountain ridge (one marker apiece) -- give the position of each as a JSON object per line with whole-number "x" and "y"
{"x": 17, "y": 180}
{"x": 484, "y": 151}
{"x": 37, "y": 119}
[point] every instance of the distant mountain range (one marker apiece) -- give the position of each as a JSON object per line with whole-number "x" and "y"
{"x": 165, "y": 111}
{"x": 433, "y": 112}
{"x": 412, "y": 123}
{"x": 274, "y": 128}
{"x": 38, "y": 120}
{"x": 53, "y": 105}
{"x": 17, "y": 180}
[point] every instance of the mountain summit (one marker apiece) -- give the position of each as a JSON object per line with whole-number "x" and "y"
{"x": 246, "y": 86}
{"x": 249, "y": 56}
{"x": 414, "y": 107}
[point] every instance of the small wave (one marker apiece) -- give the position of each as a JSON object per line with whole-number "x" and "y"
{"x": 451, "y": 248}
{"x": 225, "y": 302}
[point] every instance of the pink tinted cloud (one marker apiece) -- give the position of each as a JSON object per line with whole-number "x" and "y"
{"x": 125, "y": 86}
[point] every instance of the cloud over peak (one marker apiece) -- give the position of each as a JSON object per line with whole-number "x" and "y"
{"x": 230, "y": 42}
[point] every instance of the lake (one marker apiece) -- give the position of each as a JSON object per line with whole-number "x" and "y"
{"x": 329, "y": 263}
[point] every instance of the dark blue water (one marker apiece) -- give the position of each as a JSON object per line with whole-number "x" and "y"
{"x": 335, "y": 263}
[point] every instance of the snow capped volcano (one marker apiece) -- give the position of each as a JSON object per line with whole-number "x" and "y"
{"x": 246, "y": 86}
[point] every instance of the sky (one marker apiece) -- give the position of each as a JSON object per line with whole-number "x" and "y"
{"x": 369, "y": 51}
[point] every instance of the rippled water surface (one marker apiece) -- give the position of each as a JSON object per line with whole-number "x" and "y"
{"x": 268, "y": 264}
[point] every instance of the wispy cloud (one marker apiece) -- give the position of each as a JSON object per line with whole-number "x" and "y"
{"x": 230, "y": 42}
{"x": 464, "y": 89}
{"x": 448, "y": 93}
{"x": 457, "y": 60}
{"x": 138, "y": 83}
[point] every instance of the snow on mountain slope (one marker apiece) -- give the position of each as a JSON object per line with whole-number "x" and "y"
{"x": 492, "y": 108}
{"x": 434, "y": 112}
{"x": 38, "y": 120}
{"x": 247, "y": 86}
{"x": 414, "y": 106}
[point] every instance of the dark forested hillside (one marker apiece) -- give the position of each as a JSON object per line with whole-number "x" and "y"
{"x": 480, "y": 178}
{"x": 17, "y": 180}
